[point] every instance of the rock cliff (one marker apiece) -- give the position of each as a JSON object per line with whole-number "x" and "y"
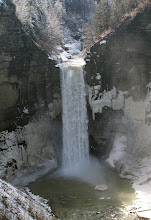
{"x": 30, "y": 100}
{"x": 118, "y": 74}
{"x": 29, "y": 81}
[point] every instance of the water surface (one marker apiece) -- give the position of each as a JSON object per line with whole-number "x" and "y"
{"x": 73, "y": 198}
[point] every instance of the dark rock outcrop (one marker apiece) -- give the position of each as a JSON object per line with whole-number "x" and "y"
{"x": 29, "y": 81}
{"x": 122, "y": 59}
{"x": 30, "y": 100}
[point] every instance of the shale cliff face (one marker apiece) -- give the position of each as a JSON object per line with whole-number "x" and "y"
{"x": 118, "y": 75}
{"x": 29, "y": 91}
{"x": 123, "y": 57}
{"x": 28, "y": 79}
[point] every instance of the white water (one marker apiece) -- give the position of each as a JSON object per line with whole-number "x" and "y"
{"x": 75, "y": 128}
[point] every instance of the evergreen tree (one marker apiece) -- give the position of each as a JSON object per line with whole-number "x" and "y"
{"x": 102, "y": 16}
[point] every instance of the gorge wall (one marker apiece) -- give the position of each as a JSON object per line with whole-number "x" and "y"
{"x": 118, "y": 74}
{"x": 30, "y": 100}
{"x": 118, "y": 89}
{"x": 30, "y": 95}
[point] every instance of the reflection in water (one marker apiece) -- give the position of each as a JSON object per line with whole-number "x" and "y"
{"x": 72, "y": 195}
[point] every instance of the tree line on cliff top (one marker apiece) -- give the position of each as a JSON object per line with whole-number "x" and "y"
{"x": 43, "y": 19}
{"x": 109, "y": 12}
{"x": 107, "y": 16}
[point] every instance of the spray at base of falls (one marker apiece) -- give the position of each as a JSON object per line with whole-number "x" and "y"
{"x": 74, "y": 115}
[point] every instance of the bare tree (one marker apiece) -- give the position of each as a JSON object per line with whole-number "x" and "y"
{"x": 109, "y": 13}
{"x": 43, "y": 18}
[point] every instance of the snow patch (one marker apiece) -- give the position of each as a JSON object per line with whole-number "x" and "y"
{"x": 27, "y": 150}
{"x": 15, "y": 204}
{"x": 118, "y": 150}
{"x": 74, "y": 51}
{"x": 98, "y": 76}
{"x": 113, "y": 99}
{"x": 102, "y": 42}
{"x": 133, "y": 161}
{"x": 74, "y": 45}
{"x": 25, "y": 110}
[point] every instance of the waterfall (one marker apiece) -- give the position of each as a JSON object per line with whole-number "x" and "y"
{"x": 75, "y": 128}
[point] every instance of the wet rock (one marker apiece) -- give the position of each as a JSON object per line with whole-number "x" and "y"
{"x": 98, "y": 213}
{"x": 101, "y": 187}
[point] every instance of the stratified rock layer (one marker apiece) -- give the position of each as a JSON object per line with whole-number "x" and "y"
{"x": 118, "y": 74}
{"x": 30, "y": 100}
{"x": 29, "y": 81}
{"x": 122, "y": 58}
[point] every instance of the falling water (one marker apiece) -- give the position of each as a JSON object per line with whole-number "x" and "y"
{"x": 75, "y": 129}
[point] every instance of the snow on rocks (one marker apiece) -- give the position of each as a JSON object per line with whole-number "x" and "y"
{"x": 102, "y": 42}
{"x": 3, "y": 2}
{"x": 15, "y": 204}
{"x": 72, "y": 46}
{"x": 118, "y": 150}
{"x": 146, "y": 214}
{"x": 70, "y": 49}
{"x": 65, "y": 56}
{"x": 131, "y": 151}
{"x": 26, "y": 153}
{"x": 132, "y": 160}
{"x": 98, "y": 76}
{"x": 74, "y": 51}
{"x": 113, "y": 99}
{"x": 25, "y": 110}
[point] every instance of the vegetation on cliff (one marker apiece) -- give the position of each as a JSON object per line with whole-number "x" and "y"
{"x": 84, "y": 8}
{"x": 109, "y": 15}
{"x": 42, "y": 18}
